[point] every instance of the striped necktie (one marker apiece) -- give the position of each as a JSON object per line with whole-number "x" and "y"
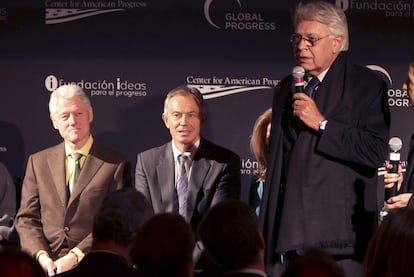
{"x": 182, "y": 186}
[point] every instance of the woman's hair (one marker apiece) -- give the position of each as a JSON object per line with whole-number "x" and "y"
{"x": 391, "y": 249}
{"x": 259, "y": 141}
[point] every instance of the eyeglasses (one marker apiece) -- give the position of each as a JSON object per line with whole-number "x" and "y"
{"x": 310, "y": 42}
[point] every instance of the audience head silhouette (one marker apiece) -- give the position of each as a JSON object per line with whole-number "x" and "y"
{"x": 116, "y": 226}
{"x": 164, "y": 247}
{"x": 391, "y": 249}
{"x": 15, "y": 263}
{"x": 231, "y": 236}
{"x": 120, "y": 218}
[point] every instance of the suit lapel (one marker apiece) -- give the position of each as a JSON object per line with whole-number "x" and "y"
{"x": 166, "y": 176}
{"x": 199, "y": 172}
{"x": 57, "y": 156}
{"x": 339, "y": 103}
{"x": 88, "y": 171}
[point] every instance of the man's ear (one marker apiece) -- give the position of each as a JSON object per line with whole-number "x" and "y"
{"x": 165, "y": 119}
{"x": 337, "y": 44}
{"x": 53, "y": 122}
{"x": 90, "y": 115}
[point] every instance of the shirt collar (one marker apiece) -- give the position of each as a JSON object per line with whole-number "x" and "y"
{"x": 191, "y": 154}
{"x": 320, "y": 76}
{"x": 84, "y": 149}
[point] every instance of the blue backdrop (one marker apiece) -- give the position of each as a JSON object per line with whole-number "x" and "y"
{"x": 128, "y": 54}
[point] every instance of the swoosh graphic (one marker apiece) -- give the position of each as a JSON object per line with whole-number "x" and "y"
{"x": 207, "y": 5}
{"x": 60, "y": 13}
{"x": 380, "y": 69}
{"x": 210, "y": 92}
{"x": 207, "y": 13}
{"x": 238, "y": 2}
{"x": 85, "y": 13}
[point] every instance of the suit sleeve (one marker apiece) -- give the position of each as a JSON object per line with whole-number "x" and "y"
{"x": 28, "y": 219}
{"x": 122, "y": 176}
{"x": 362, "y": 141}
{"x": 141, "y": 180}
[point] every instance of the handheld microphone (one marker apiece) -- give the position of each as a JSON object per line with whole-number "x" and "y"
{"x": 298, "y": 73}
{"x": 395, "y": 145}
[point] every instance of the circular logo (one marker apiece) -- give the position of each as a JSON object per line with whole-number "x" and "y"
{"x": 51, "y": 83}
{"x": 343, "y": 4}
{"x": 207, "y": 5}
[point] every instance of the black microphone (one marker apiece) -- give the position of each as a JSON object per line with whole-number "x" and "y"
{"x": 298, "y": 73}
{"x": 395, "y": 145}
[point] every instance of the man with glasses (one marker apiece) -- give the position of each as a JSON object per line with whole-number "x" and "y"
{"x": 325, "y": 148}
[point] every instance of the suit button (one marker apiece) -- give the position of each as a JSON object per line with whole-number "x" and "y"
{"x": 66, "y": 229}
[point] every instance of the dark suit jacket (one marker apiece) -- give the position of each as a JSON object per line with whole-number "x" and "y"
{"x": 215, "y": 176}
{"x": 100, "y": 264}
{"x": 408, "y": 183}
{"x": 46, "y": 220}
{"x": 321, "y": 187}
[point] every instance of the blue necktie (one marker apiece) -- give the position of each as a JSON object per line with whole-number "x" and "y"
{"x": 182, "y": 186}
{"x": 311, "y": 86}
{"x": 260, "y": 195}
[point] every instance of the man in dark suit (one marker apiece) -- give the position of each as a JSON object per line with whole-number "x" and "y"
{"x": 208, "y": 175}
{"x": 213, "y": 172}
{"x": 115, "y": 229}
{"x": 232, "y": 237}
{"x": 59, "y": 203}
{"x": 325, "y": 148}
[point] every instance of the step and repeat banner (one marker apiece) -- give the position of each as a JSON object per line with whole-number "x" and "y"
{"x": 128, "y": 54}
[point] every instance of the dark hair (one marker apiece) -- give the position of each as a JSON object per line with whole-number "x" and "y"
{"x": 391, "y": 249}
{"x": 121, "y": 215}
{"x": 164, "y": 246}
{"x": 15, "y": 263}
{"x": 229, "y": 232}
